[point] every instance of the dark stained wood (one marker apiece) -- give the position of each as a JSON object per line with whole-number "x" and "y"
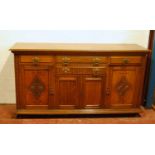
{"x": 79, "y": 78}
{"x": 151, "y": 38}
{"x": 17, "y": 81}
{"x": 148, "y": 64}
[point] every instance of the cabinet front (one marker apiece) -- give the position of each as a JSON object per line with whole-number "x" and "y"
{"x": 56, "y": 84}
{"x": 124, "y": 86}
{"x": 36, "y": 85}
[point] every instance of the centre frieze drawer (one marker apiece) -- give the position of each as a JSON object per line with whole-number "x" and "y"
{"x": 81, "y": 59}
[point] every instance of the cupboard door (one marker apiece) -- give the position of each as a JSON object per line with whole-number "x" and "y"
{"x": 93, "y": 91}
{"x": 67, "y": 92}
{"x": 36, "y": 84}
{"x": 124, "y": 86}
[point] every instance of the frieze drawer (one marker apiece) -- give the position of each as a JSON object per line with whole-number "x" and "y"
{"x": 36, "y": 59}
{"x": 126, "y": 60}
{"x": 81, "y": 59}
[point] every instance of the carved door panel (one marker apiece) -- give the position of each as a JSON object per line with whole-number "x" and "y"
{"x": 93, "y": 91}
{"x": 36, "y": 84}
{"x": 67, "y": 92}
{"x": 124, "y": 86}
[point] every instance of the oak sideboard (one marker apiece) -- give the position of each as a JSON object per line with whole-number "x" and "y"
{"x": 56, "y": 78}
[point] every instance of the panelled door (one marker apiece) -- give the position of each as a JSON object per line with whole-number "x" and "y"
{"x": 37, "y": 86}
{"x": 67, "y": 92}
{"x": 93, "y": 88}
{"x": 124, "y": 86}
{"x": 93, "y": 92}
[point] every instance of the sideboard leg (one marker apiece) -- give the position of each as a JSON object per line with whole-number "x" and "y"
{"x": 153, "y": 107}
{"x": 142, "y": 112}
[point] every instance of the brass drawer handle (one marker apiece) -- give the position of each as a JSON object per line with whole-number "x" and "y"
{"x": 96, "y": 61}
{"x": 65, "y": 60}
{"x": 35, "y": 60}
{"x": 66, "y": 69}
{"x": 125, "y": 61}
{"x": 96, "y": 71}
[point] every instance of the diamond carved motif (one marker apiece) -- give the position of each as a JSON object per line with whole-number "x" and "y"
{"x": 122, "y": 86}
{"x": 36, "y": 87}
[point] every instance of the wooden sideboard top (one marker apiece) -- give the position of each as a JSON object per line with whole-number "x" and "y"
{"x": 76, "y": 47}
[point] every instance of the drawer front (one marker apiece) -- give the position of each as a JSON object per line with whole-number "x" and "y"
{"x": 81, "y": 59}
{"x": 36, "y": 59}
{"x": 126, "y": 60}
{"x": 94, "y": 71}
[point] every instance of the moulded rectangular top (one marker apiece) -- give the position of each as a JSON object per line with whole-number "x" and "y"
{"x": 76, "y": 47}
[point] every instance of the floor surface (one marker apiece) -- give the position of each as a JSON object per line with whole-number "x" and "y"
{"x": 8, "y": 116}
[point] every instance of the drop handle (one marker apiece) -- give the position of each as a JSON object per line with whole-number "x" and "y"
{"x": 35, "y": 59}
{"x": 65, "y": 61}
{"x": 96, "y": 61}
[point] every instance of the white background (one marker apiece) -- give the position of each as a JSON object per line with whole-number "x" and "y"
{"x": 77, "y": 15}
